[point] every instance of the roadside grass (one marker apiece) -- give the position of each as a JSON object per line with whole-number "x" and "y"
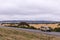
{"x": 13, "y": 34}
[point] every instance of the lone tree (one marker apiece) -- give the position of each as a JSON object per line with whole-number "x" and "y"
{"x": 23, "y": 24}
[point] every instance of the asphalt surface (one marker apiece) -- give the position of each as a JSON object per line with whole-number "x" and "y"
{"x": 36, "y": 31}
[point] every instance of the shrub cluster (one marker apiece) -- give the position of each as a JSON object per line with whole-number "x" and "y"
{"x": 30, "y": 27}
{"x": 57, "y": 29}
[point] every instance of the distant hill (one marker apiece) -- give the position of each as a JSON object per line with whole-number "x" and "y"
{"x": 27, "y": 21}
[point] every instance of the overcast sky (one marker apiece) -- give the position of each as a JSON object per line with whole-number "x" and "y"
{"x": 30, "y": 10}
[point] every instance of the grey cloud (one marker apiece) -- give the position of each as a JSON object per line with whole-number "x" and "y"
{"x": 30, "y": 9}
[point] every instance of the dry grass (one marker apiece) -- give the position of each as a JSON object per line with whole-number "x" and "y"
{"x": 12, "y": 34}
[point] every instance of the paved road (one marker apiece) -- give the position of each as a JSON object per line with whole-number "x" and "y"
{"x": 36, "y": 31}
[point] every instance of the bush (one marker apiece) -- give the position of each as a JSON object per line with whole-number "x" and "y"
{"x": 21, "y": 26}
{"x": 38, "y": 29}
{"x": 57, "y": 29}
{"x": 30, "y": 27}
